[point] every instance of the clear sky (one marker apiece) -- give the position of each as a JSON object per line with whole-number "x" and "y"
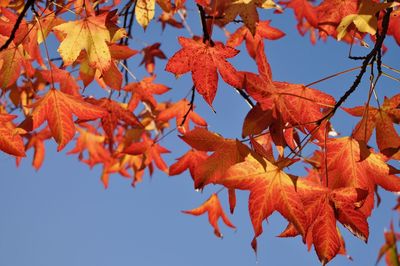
{"x": 62, "y": 215}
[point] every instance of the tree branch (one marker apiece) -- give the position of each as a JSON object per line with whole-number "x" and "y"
{"x": 28, "y": 4}
{"x": 369, "y": 59}
{"x": 206, "y": 34}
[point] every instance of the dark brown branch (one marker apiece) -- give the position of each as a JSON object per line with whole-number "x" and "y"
{"x": 369, "y": 59}
{"x": 206, "y": 34}
{"x": 246, "y": 97}
{"x": 190, "y": 106}
{"x": 21, "y": 16}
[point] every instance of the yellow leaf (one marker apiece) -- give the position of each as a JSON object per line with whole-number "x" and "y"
{"x": 365, "y": 20}
{"x": 144, "y": 12}
{"x": 90, "y": 34}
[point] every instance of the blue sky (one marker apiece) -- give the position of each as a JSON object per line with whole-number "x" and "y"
{"x": 62, "y": 215}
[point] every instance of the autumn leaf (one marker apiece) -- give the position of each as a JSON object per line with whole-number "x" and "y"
{"x": 389, "y": 249}
{"x": 331, "y": 12}
{"x": 227, "y": 152}
{"x": 271, "y": 190}
{"x": 90, "y": 34}
{"x": 203, "y": 60}
{"x": 178, "y": 111}
{"x": 247, "y": 10}
{"x": 214, "y": 209}
{"x": 152, "y": 153}
{"x": 365, "y": 19}
{"x": 12, "y": 61}
{"x": 10, "y": 140}
{"x": 286, "y": 100}
{"x": 349, "y": 163}
{"x": 57, "y": 109}
{"x": 323, "y": 207}
{"x": 190, "y": 160}
{"x": 116, "y": 114}
{"x": 144, "y": 12}
{"x": 382, "y": 119}
{"x": 36, "y": 141}
{"x": 143, "y": 91}
{"x": 303, "y": 10}
{"x": 93, "y": 143}
{"x": 150, "y": 53}
{"x": 263, "y": 31}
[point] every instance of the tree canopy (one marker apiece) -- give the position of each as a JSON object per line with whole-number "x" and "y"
{"x": 66, "y": 76}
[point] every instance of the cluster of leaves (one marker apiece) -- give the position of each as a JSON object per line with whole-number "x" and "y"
{"x": 121, "y": 131}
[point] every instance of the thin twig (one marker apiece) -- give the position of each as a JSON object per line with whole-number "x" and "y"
{"x": 21, "y": 16}
{"x": 190, "y": 106}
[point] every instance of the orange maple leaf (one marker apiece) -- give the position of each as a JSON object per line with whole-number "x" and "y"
{"x": 57, "y": 108}
{"x": 190, "y": 160}
{"x": 227, "y": 152}
{"x": 36, "y": 141}
{"x": 271, "y": 190}
{"x": 381, "y": 119}
{"x": 323, "y": 206}
{"x": 10, "y": 140}
{"x": 143, "y": 91}
{"x": 351, "y": 164}
{"x": 150, "y": 53}
{"x": 93, "y": 143}
{"x": 178, "y": 110}
{"x": 287, "y": 101}
{"x": 214, "y": 209}
{"x": 389, "y": 249}
{"x": 263, "y": 31}
{"x": 152, "y": 152}
{"x": 203, "y": 60}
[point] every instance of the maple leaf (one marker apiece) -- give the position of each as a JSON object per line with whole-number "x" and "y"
{"x": 179, "y": 110}
{"x": 190, "y": 160}
{"x": 203, "y": 60}
{"x": 351, "y": 164}
{"x": 214, "y": 209}
{"x": 227, "y": 152}
{"x": 271, "y": 190}
{"x": 57, "y": 108}
{"x": 365, "y": 19}
{"x": 90, "y": 34}
{"x": 144, "y": 12}
{"x": 287, "y": 101}
{"x": 263, "y": 31}
{"x": 331, "y": 12}
{"x": 389, "y": 249}
{"x": 247, "y": 10}
{"x": 382, "y": 120}
{"x": 11, "y": 62}
{"x": 323, "y": 206}
{"x": 143, "y": 91}
{"x": 36, "y": 141}
{"x": 10, "y": 140}
{"x": 303, "y": 10}
{"x": 94, "y": 144}
{"x": 116, "y": 113}
{"x": 152, "y": 152}
{"x": 150, "y": 53}
{"x": 68, "y": 83}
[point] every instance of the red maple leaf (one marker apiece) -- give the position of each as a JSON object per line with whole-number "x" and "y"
{"x": 271, "y": 190}
{"x": 381, "y": 119}
{"x": 214, "y": 209}
{"x": 10, "y": 140}
{"x": 287, "y": 101}
{"x": 203, "y": 60}
{"x": 226, "y": 152}
{"x": 57, "y": 109}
